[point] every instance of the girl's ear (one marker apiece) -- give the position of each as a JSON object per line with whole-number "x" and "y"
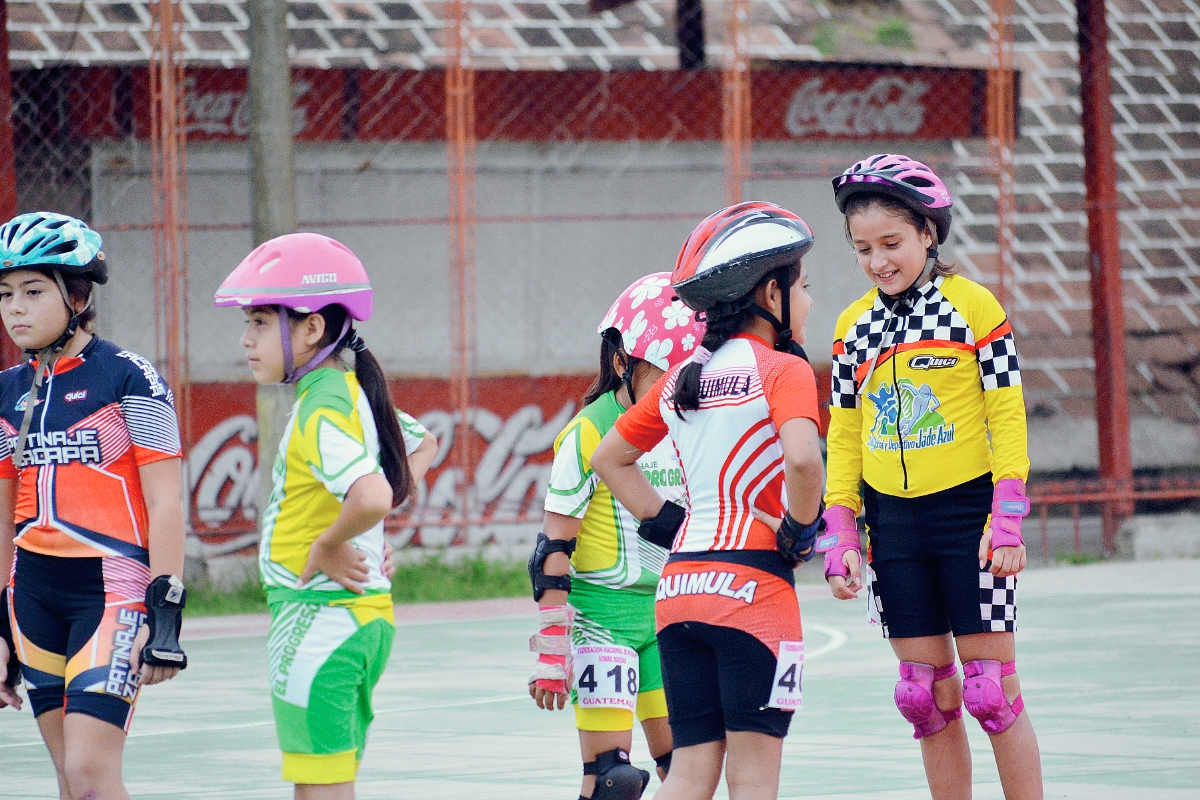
{"x": 314, "y": 329}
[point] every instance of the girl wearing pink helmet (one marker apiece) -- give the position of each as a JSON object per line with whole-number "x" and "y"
{"x": 347, "y": 458}
{"x": 590, "y": 548}
{"x": 927, "y": 417}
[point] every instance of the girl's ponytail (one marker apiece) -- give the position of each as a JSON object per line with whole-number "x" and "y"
{"x": 392, "y": 457}
{"x": 687, "y": 383}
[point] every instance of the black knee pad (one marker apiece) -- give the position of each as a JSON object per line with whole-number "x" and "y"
{"x": 616, "y": 777}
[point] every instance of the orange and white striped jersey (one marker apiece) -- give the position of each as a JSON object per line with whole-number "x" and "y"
{"x": 729, "y": 449}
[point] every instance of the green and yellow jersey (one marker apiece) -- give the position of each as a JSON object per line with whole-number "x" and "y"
{"x": 329, "y": 443}
{"x": 925, "y": 401}
{"x": 608, "y": 550}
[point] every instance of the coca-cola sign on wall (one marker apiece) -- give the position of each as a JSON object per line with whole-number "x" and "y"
{"x": 790, "y": 100}
{"x": 512, "y": 439}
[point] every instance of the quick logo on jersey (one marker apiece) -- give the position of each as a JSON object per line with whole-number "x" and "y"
{"x": 932, "y": 362}
{"x": 122, "y": 682}
{"x": 316, "y": 278}
{"x": 60, "y": 447}
{"x": 912, "y": 412}
{"x": 719, "y": 583}
{"x": 157, "y": 387}
{"x": 72, "y": 397}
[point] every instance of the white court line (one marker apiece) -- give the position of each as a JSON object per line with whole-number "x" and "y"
{"x": 265, "y": 723}
{"x": 837, "y": 638}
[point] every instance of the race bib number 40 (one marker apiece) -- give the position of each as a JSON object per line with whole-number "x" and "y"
{"x": 785, "y": 691}
{"x": 606, "y": 676}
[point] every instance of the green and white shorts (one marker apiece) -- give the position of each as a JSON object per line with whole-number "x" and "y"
{"x": 323, "y": 664}
{"x": 614, "y": 628}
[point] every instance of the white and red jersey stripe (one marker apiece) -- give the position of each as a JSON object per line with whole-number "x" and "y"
{"x": 729, "y": 449}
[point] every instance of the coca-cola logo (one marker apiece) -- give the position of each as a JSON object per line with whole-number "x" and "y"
{"x": 227, "y": 113}
{"x": 506, "y": 489}
{"x": 890, "y": 105}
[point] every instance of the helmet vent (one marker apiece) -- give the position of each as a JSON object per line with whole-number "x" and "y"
{"x": 55, "y": 225}
{"x": 62, "y": 248}
{"x": 913, "y": 180}
{"x": 269, "y": 264}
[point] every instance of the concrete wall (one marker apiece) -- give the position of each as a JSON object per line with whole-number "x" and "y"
{"x": 542, "y": 286}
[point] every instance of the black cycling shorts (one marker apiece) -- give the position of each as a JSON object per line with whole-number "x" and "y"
{"x": 717, "y": 679}
{"x": 74, "y": 621}
{"x": 925, "y": 556}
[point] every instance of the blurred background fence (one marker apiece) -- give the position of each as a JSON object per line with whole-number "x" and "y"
{"x": 505, "y": 169}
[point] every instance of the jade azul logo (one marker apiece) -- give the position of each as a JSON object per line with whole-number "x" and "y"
{"x": 908, "y": 410}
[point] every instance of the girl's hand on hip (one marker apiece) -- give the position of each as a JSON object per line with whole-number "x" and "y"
{"x": 388, "y": 567}
{"x": 1005, "y": 560}
{"x": 340, "y": 562}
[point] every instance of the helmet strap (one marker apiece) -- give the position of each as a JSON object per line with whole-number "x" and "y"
{"x": 783, "y": 327}
{"x": 627, "y": 377}
{"x": 290, "y": 373}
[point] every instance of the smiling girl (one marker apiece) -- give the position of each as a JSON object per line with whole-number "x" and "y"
{"x": 347, "y": 458}
{"x": 927, "y": 434}
{"x": 91, "y": 490}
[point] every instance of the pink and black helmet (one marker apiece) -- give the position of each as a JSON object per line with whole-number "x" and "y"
{"x": 909, "y": 181}
{"x": 304, "y": 272}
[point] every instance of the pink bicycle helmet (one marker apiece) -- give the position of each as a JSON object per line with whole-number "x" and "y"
{"x": 654, "y": 325}
{"x": 909, "y": 181}
{"x": 304, "y": 272}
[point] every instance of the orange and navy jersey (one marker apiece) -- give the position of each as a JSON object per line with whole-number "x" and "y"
{"x": 925, "y": 401}
{"x": 729, "y": 449}
{"x": 99, "y": 417}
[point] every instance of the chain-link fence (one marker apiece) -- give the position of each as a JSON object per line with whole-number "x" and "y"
{"x": 594, "y": 155}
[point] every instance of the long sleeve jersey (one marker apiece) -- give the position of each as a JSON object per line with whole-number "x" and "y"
{"x": 941, "y": 405}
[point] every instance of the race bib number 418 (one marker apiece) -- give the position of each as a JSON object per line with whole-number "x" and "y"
{"x": 606, "y": 676}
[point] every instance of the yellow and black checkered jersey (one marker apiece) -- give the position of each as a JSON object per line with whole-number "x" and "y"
{"x": 942, "y": 404}
{"x": 608, "y": 550}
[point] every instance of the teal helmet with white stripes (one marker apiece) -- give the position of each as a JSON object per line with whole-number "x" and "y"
{"x": 48, "y": 241}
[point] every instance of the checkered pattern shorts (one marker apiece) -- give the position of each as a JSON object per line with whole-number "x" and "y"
{"x": 997, "y": 602}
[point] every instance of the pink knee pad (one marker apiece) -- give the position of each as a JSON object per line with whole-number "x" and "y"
{"x": 914, "y": 697}
{"x": 983, "y": 695}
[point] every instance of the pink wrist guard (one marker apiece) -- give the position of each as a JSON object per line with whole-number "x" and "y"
{"x": 840, "y": 535}
{"x": 553, "y": 646}
{"x": 1009, "y": 507}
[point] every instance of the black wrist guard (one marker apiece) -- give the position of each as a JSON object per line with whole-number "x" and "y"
{"x": 165, "y": 599}
{"x": 537, "y": 564}
{"x": 13, "y": 676}
{"x": 795, "y": 541}
{"x": 662, "y": 527}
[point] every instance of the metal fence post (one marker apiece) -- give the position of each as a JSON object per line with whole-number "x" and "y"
{"x": 10, "y": 354}
{"x": 1104, "y": 251}
{"x": 272, "y": 189}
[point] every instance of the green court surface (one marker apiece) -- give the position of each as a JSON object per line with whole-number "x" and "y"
{"x": 1108, "y": 658}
